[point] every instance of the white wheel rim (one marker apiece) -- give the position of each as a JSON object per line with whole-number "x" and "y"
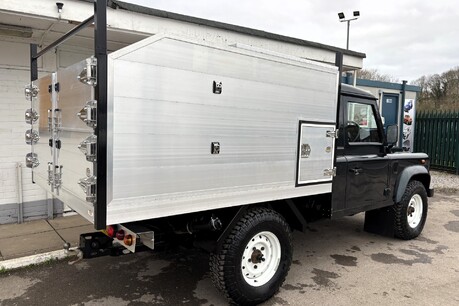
{"x": 260, "y": 259}
{"x": 414, "y": 211}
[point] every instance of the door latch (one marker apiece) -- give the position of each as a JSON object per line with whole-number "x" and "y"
{"x": 54, "y": 177}
{"x": 356, "y": 171}
{"x": 217, "y": 87}
{"x": 57, "y": 116}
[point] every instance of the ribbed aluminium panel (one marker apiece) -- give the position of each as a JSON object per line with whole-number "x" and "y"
{"x": 166, "y": 116}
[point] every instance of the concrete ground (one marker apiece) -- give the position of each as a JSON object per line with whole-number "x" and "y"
{"x": 335, "y": 263}
{"x": 35, "y": 237}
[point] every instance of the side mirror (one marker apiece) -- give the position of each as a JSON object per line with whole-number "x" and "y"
{"x": 392, "y": 135}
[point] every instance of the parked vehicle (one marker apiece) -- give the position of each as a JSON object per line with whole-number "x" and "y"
{"x": 231, "y": 146}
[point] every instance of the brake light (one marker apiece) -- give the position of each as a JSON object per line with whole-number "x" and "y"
{"x": 110, "y": 231}
{"x": 120, "y": 234}
{"x": 128, "y": 240}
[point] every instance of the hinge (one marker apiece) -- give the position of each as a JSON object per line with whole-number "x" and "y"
{"x": 88, "y": 114}
{"x": 305, "y": 150}
{"x": 89, "y": 187}
{"x": 333, "y": 134}
{"x": 88, "y": 75}
{"x": 89, "y": 148}
{"x": 330, "y": 172}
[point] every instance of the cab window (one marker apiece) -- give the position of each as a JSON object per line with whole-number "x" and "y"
{"x": 361, "y": 124}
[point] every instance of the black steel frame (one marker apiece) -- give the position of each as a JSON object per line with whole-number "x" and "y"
{"x": 339, "y": 64}
{"x": 99, "y": 19}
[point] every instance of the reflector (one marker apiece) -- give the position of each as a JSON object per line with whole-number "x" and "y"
{"x": 128, "y": 240}
{"x": 120, "y": 234}
{"x": 110, "y": 231}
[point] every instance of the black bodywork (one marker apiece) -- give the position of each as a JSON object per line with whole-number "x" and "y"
{"x": 369, "y": 175}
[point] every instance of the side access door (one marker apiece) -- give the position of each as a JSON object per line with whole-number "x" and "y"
{"x": 363, "y": 167}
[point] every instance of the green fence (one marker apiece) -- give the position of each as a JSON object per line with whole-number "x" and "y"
{"x": 437, "y": 134}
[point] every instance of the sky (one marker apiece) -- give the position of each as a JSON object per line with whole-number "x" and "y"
{"x": 403, "y": 38}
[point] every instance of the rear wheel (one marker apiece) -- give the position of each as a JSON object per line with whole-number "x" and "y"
{"x": 254, "y": 258}
{"x": 411, "y": 211}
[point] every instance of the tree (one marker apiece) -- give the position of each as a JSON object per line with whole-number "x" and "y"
{"x": 439, "y": 91}
{"x": 375, "y": 75}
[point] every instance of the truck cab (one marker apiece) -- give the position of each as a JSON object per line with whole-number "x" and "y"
{"x": 369, "y": 173}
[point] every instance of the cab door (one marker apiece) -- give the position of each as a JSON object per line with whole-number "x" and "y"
{"x": 367, "y": 164}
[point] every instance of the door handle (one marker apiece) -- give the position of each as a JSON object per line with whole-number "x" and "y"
{"x": 356, "y": 171}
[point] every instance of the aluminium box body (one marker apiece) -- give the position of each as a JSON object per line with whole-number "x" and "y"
{"x": 193, "y": 127}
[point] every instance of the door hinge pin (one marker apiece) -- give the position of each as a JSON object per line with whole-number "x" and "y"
{"x": 89, "y": 184}
{"x": 332, "y": 134}
{"x": 330, "y": 172}
{"x": 88, "y": 75}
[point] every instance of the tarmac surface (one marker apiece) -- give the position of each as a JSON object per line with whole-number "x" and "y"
{"x": 335, "y": 263}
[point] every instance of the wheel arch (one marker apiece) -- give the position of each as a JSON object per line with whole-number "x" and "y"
{"x": 418, "y": 173}
{"x": 291, "y": 214}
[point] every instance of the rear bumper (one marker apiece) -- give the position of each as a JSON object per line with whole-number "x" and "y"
{"x": 430, "y": 192}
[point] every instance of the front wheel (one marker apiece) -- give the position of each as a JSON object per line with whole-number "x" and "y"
{"x": 254, "y": 259}
{"x": 411, "y": 211}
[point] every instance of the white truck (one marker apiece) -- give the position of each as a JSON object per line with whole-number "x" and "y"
{"x": 231, "y": 145}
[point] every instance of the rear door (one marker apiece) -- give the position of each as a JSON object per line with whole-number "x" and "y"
{"x": 63, "y": 147}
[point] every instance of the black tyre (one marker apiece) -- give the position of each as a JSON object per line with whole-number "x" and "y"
{"x": 411, "y": 211}
{"x": 254, "y": 258}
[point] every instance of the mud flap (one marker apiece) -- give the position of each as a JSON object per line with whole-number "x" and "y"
{"x": 380, "y": 221}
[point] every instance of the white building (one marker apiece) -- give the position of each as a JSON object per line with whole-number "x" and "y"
{"x": 38, "y": 21}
